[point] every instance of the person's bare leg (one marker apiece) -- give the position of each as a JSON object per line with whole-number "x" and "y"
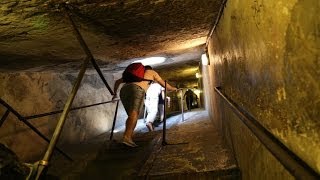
{"x": 130, "y": 125}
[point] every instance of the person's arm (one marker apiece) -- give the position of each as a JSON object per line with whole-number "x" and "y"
{"x": 115, "y": 88}
{"x": 159, "y": 80}
{"x": 169, "y": 87}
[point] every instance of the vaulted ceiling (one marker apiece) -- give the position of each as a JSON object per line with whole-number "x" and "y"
{"x": 37, "y": 33}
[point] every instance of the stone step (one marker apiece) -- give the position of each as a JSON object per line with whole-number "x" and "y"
{"x": 195, "y": 150}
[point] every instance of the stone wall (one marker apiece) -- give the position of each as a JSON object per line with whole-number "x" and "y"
{"x": 265, "y": 56}
{"x": 32, "y": 93}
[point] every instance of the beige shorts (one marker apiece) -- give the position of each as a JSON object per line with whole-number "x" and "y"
{"x": 132, "y": 97}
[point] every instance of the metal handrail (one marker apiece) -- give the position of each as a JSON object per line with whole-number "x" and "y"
{"x": 71, "y": 109}
{"x": 41, "y": 166}
{"x": 4, "y": 117}
{"x": 85, "y": 47}
{"x": 21, "y": 118}
{"x": 24, "y": 118}
{"x": 181, "y": 102}
{"x": 214, "y": 26}
{"x": 295, "y": 165}
{"x": 114, "y": 120}
{"x": 164, "y": 126}
{"x": 164, "y": 142}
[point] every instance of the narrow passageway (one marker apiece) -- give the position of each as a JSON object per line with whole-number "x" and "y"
{"x": 195, "y": 149}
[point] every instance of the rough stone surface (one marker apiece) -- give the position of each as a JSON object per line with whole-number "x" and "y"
{"x": 32, "y": 93}
{"x": 10, "y": 166}
{"x": 204, "y": 157}
{"x": 195, "y": 150}
{"x": 35, "y": 33}
{"x": 37, "y": 93}
{"x": 265, "y": 56}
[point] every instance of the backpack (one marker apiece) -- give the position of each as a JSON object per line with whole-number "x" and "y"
{"x": 134, "y": 73}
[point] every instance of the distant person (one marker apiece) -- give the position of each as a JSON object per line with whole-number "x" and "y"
{"x": 154, "y": 103}
{"x": 189, "y": 97}
{"x": 194, "y": 103}
{"x": 132, "y": 94}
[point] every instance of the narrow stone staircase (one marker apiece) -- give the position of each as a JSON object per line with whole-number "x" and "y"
{"x": 194, "y": 150}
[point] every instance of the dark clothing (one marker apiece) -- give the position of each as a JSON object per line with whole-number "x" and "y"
{"x": 191, "y": 97}
{"x": 161, "y": 100}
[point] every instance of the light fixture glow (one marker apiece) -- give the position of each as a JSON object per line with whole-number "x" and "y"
{"x": 197, "y": 91}
{"x": 186, "y": 44}
{"x": 151, "y": 60}
{"x": 198, "y": 75}
{"x": 204, "y": 59}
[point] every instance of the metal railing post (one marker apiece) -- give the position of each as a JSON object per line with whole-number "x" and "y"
{"x": 114, "y": 120}
{"x": 164, "y": 142}
{"x": 144, "y": 113}
{"x": 182, "y": 110}
{"x": 43, "y": 164}
{"x": 21, "y": 118}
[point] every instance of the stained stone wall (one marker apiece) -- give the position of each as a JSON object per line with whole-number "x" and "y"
{"x": 265, "y": 56}
{"x": 32, "y": 93}
{"x": 38, "y": 32}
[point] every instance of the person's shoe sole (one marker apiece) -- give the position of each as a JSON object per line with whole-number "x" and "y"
{"x": 130, "y": 144}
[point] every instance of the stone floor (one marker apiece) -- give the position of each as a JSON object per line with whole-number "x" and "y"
{"x": 193, "y": 149}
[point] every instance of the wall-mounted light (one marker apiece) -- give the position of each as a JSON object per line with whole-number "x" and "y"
{"x": 204, "y": 59}
{"x": 198, "y": 75}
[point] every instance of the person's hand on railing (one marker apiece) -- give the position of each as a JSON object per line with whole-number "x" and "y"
{"x": 178, "y": 89}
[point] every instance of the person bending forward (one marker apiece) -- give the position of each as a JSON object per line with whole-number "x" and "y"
{"x": 132, "y": 96}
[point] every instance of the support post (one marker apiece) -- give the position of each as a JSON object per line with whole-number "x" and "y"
{"x": 43, "y": 164}
{"x": 182, "y": 110}
{"x": 164, "y": 142}
{"x": 114, "y": 120}
{"x": 21, "y": 118}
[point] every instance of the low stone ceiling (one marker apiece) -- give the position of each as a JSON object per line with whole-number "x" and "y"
{"x": 37, "y": 34}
